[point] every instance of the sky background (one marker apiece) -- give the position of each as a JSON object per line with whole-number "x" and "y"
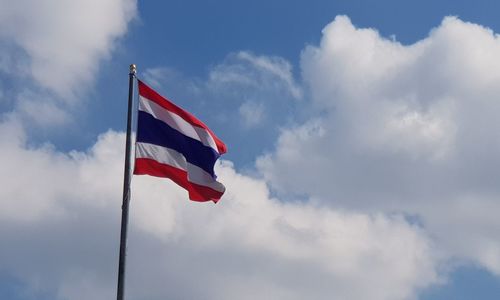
{"x": 363, "y": 149}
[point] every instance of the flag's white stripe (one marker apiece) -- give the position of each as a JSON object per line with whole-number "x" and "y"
{"x": 161, "y": 154}
{"x": 176, "y": 122}
{"x": 175, "y": 159}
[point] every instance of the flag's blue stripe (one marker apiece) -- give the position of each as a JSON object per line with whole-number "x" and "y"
{"x": 153, "y": 131}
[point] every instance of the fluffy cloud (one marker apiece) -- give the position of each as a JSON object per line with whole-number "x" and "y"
{"x": 62, "y": 41}
{"x": 405, "y": 128}
{"x": 249, "y": 245}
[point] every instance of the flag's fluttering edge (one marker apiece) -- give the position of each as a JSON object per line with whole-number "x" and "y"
{"x": 172, "y": 143}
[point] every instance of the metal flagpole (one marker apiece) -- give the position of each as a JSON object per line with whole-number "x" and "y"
{"x": 126, "y": 190}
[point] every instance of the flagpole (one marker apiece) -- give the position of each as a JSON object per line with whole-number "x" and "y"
{"x": 126, "y": 190}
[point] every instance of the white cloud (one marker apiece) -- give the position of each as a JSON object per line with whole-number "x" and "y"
{"x": 406, "y": 128}
{"x": 276, "y": 66}
{"x": 246, "y": 69}
{"x": 252, "y": 113}
{"x": 50, "y": 52}
{"x": 64, "y": 41}
{"x": 240, "y": 75}
{"x": 248, "y": 246}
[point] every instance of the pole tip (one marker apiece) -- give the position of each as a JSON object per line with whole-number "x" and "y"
{"x": 133, "y": 69}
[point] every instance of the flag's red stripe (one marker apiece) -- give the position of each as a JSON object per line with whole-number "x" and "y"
{"x": 146, "y": 166}
{"x": 152, "y": 95}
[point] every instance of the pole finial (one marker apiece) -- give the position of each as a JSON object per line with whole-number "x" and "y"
{"x": 133, "y": 69}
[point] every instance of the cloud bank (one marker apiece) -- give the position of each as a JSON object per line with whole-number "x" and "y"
{"x": 251, "y": 246}
{"x": 406, "y": 128}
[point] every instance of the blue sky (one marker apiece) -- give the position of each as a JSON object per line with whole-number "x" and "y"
{"x": 362, "y": 136}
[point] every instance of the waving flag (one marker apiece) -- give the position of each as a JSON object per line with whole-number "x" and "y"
{"x": 174, "y": 144}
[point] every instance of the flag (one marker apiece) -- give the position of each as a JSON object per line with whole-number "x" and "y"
{"x": 174, "y": 144}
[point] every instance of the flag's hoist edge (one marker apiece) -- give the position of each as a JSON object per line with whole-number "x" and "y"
{"x": 174, "y": 144}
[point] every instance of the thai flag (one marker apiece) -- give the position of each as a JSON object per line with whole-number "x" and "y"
{"x": 172, "y": 143}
